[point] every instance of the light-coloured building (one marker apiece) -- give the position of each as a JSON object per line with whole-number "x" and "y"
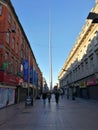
{"x": 96, "y": 1}
{"x": 80, "y": 70}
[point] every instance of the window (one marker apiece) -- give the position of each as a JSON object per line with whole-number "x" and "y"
{"x": 91, "y": 62}
{"x": 9, "y": 18}
{"x": 5, "y": 63}
{"x": 14, "y": 26}
{"x": 17, "y": 48}
{"x": 86, "y": 65}
{"x": 96, "y": 57}
{"x": 82, "y": 68}
{"x": 6, "y": 56}
{"x": 78, "y": 69}
{"x": 16, "y": 68}
{"x": 12, "y": 65}
{"x": 13, "y": 43}
{"x": 0, "y": 9}
{"x": 8, "y": 36}
{"x": 96, "y": 39}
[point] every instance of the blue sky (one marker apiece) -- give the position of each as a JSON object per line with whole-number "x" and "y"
{"x": 67, "y": 19}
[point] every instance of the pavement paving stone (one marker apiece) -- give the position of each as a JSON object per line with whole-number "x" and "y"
{"x": 79, "y": 114}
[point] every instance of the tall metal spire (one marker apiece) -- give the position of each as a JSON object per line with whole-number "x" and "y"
{"x": 50, "y": 49}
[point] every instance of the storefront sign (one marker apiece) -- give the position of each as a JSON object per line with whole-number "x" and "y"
{"x": 91, "y": 82}
{"x": 8, "y": 78}
{"x": 82, "y": 84}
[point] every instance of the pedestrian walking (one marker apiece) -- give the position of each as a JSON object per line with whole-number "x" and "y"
{"x": 57, "y": 94}
{"x": 44, "y": 94}
{"x": 49, "y": 96}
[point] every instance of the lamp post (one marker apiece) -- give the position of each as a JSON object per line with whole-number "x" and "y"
{"x": 28, "y": 73}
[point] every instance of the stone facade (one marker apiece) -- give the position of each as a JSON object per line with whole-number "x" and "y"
{"x": 81, "y": 67}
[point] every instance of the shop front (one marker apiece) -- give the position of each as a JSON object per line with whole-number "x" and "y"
{"x": 7, "y": 95}
{"x": 92, "y": 86}
{"x": 8, "y": 87}
{"x": 83, "y": 90}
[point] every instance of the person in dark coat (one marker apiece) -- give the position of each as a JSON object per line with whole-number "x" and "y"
{"x": 44, "y": 94}
{"x": 57, "y": 94}
{"x": 49, "y": 96}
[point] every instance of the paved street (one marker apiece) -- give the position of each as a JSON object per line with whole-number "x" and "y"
{"x": 67, "y": 115}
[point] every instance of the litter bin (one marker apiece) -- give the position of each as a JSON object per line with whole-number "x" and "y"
{"x": 29, "y": 101}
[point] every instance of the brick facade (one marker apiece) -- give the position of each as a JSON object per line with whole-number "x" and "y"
{"x": 14, "y": 46}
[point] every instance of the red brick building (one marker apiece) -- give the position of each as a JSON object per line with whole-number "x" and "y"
{"x": 15, "y": 49}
